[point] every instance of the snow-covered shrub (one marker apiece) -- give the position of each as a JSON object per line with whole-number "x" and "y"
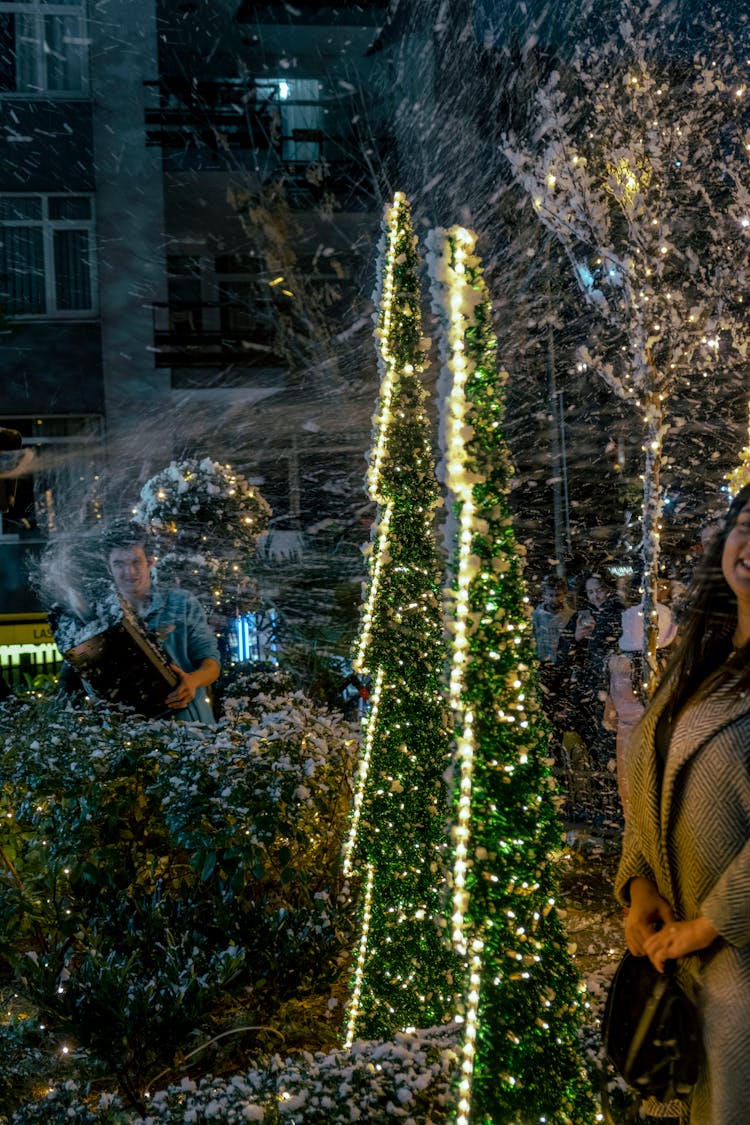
{"x": 164, "y": 882}
{"x": 406, "y": 1080}
{"x": 205, "y": 520}
{"x": 205, "y": 498}
{"x": 68, "y": 1104}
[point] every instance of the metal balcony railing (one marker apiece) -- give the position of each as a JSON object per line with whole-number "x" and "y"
{"x": 213, "y": 333}
{"x": 211, "y": 112}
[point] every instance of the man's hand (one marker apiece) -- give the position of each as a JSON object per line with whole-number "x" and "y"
{"x": 189, "y": 683}
{"x": 648, "y": 912}
{"x": 184, "y": 693}
{"x": 678, "y": 939}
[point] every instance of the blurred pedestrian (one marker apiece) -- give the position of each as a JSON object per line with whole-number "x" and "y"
{"x": 585, "y": 645}
{"x": 626, "y": 695}
{"x": 548, "y": 619}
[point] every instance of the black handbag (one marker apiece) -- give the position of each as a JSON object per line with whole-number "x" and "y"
{"x": 651, "y": 1031}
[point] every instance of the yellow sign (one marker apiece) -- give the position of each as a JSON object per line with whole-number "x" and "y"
{"x": 25, "y": 629}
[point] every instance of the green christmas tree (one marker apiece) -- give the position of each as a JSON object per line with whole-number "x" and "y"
{"x": 406, "y": 973}
{"x": 520, "y": 1055}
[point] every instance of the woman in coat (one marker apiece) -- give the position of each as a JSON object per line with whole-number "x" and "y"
{"x": 684, "y": 874}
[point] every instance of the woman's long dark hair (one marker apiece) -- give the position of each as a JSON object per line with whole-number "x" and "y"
{"x": 709, "y": 619}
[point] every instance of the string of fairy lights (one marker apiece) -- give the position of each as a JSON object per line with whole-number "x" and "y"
{"x": 396, "y": 833}
{"x": 461, "y": 490}
{"x": 359, "y": 971}
{"x": 462, "y": 830}
{"x": 382, "y": 527}
{"x": 365, "y": 632}
{"x": 393, "y": 221}
{"x": 498, "y": 909}
{"x": 370, "y": 726}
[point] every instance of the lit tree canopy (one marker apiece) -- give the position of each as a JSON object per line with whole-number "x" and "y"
{"x": 637, "y": 162}
{"x": 205, "y": 520}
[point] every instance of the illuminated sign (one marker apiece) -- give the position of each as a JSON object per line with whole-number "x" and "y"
{"x": 25, "y": 629}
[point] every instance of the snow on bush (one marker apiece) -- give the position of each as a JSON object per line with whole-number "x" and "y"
{"x": 161, "y": 880}
{"x": 407, "y": 1080}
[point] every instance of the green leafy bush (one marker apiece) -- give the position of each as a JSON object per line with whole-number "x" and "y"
{"x": 166, "y": 886}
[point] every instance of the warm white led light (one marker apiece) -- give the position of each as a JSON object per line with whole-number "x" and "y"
{"x": 468, "y": 1050}
{"x": 359, "y": 972}
{"x": 383, "y": 334}
{"x": 462, "y": 831}
{"x": 362, "y": 772}
{"x": 381, "y": 544}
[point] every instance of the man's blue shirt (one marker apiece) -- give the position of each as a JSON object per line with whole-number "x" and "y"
{"x": 179, "y": 621}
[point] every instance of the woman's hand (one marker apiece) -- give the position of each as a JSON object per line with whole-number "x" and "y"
{"x": 648, "y": 912}
{"x": 677, "y": 939}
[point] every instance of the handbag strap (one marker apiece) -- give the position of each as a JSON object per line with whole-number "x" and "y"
{"x": 644, "y": 1022}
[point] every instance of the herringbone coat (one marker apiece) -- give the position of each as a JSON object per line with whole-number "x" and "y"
{"x": 693, "y": 842}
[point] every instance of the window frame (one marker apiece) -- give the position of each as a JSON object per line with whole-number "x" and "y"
{"x": 80, "y": 432}
{"x": 299, "y": 113}
{"x": 49, "y": 227}
{"x": 38, "y": 10}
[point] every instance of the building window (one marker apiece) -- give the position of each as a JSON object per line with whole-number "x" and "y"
{"x": 47, "y": 255}
{"x": 43, "y": 48}
{"x": 185, "y": 294}
{"x": 301, "y": 115}
{"x": 244, "y": 294}
{"x": 64, "y": 476}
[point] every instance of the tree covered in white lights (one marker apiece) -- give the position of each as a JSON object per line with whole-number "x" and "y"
{"x": 638, "y": 162}
{"x": 406, "y": 974}
{"x": 520, "y": 1058}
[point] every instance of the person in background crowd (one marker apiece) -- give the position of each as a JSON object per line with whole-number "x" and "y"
{"x": 550, "y": 617}
{"x": 626, "y": 696}
{"x": 585, "y": 645}
{"x": 548, "y": 620}
{"x": 684, "y": 873}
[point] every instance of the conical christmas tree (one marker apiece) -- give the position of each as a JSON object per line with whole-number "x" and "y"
{"x": 406, "y": 973}
{"x": 520, "y": 1055}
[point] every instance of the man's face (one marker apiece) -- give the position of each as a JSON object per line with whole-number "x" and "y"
{"x": 553, "y": 597}
{"x": 131, "y": 571}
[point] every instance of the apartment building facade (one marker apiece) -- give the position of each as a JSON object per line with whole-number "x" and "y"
{"x": 189, "y": 206}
